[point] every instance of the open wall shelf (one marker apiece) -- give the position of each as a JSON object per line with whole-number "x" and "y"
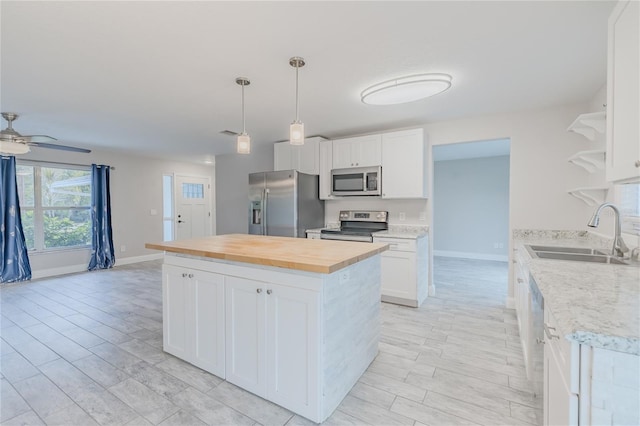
{"x": 592, "y": 196}
{"x": 591, "y": 161}
{"x": 588, "y": 125}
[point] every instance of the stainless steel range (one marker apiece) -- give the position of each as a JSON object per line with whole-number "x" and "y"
{"x": 357, "y": 225}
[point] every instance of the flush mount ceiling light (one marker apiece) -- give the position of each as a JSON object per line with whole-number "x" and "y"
{"x": 296, "y": 129}
{"x": 406, "y": 89}
{"x": 243, "y": 142}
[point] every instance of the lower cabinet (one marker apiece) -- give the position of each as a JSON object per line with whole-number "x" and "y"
{"x": 273, "y": 341}
{"x": 404, "y": 270}
{"x": 193, "y": 317}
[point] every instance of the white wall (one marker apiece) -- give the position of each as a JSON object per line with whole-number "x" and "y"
{"x": 136, "y": 188}
{"x": 471, "y": 208}
{"x": 232, "y": 187}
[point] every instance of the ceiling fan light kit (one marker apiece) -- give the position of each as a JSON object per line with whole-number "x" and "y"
{"x": 296, "y": 129}
{"x": 13, "y": 147}
{"x": 406, "y": 89}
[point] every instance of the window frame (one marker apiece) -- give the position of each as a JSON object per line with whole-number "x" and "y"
{"x": 38, "y": 208}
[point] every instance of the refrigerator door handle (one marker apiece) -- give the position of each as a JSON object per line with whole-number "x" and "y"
{"x": 265, "y": 208}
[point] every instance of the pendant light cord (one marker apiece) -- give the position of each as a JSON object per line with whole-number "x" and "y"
{"x": 243, "y": 120}
{"x": 297, "y": 67}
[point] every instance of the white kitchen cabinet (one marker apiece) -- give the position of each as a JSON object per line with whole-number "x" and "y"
{"x": 404, "y": 164}
{"x": 359, "y": 151}
{"x": 623, "y": 93}
{"x": 303, "y": 158}
{"x": 313, "y": 235}
{"x": 326, "y": 164}
{"x": 561, "y": 376}
{"x": 404, "y": 270}
{"x": 273, "y": 342}
{"x": 193, "y": 317}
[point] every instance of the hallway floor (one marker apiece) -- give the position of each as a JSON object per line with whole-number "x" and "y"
{"x": 86, "y": 349}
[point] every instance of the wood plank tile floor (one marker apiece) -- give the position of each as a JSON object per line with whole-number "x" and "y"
{"x": 86, "y": 349}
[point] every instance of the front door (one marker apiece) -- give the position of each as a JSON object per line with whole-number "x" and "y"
{"x": 193, "y": 211}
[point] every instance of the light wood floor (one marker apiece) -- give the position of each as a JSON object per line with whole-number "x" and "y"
{"x": 86, "y": 349}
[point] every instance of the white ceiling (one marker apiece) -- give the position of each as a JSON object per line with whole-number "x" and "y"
{"x": 159, "y": 77}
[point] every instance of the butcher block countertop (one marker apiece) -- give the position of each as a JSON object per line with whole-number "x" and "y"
{"x": 321, "y": 256}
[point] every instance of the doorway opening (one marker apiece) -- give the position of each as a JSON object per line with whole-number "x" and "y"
{"x": 471, "y": 216}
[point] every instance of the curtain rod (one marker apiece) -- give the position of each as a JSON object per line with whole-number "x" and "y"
{"x": 60, "y": 163}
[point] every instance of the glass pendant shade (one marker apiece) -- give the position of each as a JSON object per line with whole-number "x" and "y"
{"x": 296, "y": 133}
{"x": 7, "y": 147}
{"x": 243, "y": 144}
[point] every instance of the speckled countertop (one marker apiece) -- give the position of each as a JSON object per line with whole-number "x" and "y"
{"x": 394, "y": 231}
{"x": 594, "y": 304}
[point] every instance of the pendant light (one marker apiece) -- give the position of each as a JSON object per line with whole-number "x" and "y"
{"x": 296, "y": 130}
{"x": 243, "y": 142}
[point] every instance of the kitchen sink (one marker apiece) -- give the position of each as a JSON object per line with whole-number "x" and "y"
{"x": 577, "y": 254}
{"x": 579, "y": 250}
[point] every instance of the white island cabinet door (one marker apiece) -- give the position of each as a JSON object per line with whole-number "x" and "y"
{"x": 245, "y": 334}
{"x": 293, "y": 347}
{"x": 208, "y": 327}
{"x": 176, "y": 321}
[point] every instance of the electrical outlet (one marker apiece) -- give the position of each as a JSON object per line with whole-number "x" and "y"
{"x": 153, "y": 212}
{"x": 344, "y": 276}
{"x": 500, "y": 245}
{"x": 402, "y": 216}
{"x": 423, "y": 216}
{"x": 496, "y": 245}
{"x": 123, "y": 248}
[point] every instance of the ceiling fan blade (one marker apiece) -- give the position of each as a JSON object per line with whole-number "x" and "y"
{"x": 38, "y": 138}
{"x": 59, "y": 147}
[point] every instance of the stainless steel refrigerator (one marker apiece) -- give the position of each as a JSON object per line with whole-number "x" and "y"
{"x": 284, "y": 203}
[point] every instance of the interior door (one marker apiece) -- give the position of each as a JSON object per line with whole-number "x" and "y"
{"x": 193, "y": 211}
{"x": 280, "y": 202}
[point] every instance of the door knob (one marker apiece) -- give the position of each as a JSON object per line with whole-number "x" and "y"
{"x": 637, "y": 163}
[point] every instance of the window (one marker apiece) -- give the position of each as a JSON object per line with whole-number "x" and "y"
{"x": 55, "y": 205}
{"x": 167, "y": 207}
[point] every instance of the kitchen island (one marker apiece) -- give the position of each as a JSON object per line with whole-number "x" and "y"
{"x": 292, "y": 320}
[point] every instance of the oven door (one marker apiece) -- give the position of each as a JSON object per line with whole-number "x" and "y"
{"x": 338, "y": 236}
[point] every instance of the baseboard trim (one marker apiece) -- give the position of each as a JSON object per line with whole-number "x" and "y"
{"x": 477, "y": 256}
{"x": 73, "y": 269}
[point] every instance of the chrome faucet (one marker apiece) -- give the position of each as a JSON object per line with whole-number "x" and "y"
{"x": 619, "y": 247}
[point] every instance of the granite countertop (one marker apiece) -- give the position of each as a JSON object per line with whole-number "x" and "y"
{"x": 394, "y": 231}
{"x": 321, "y": 256}
{"x": 594, "y": 304}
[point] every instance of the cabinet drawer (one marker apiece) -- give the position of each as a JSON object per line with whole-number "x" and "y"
{"x": 397, "y": 244}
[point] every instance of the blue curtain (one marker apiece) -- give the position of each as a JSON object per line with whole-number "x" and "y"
{"x": 13, "y": 249}
{"x": 102, "y": 253}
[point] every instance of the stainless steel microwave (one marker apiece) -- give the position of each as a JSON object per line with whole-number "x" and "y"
{"x": 356, "y": 181}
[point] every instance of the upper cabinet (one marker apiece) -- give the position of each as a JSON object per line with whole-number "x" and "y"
{"x": 404, "y": 164}
{"x": 360, "y": 151}
{"x": 623, "y": 92}
{"x": 303, "y": 158}
{"x": 326, "y": 164}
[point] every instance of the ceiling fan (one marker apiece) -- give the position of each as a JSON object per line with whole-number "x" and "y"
{"x": 12, "y": 142}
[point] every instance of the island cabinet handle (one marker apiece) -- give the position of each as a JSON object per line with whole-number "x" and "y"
{"x": 258, "y": 290}
{"x": 269, "y": 291}
{"x": 548, "y": 331}
{"x": 184, "y": 275}
{"x": 190, "y": 275}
